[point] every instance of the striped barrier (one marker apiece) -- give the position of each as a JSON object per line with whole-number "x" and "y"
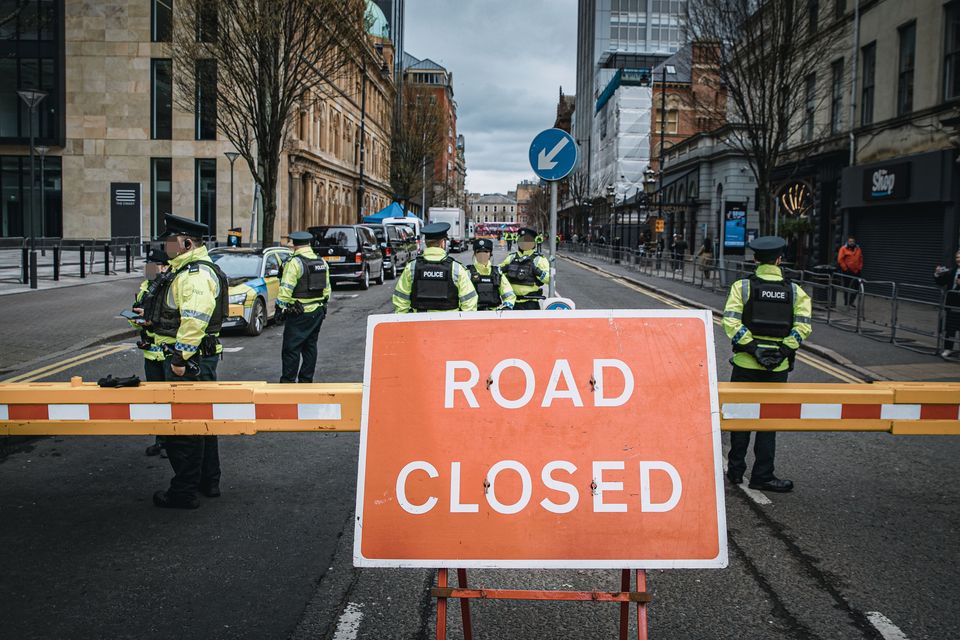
{"x": 244, "y": 408}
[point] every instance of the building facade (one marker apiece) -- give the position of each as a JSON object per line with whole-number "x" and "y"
{"x": 111, "y": 121}
{"x": 490, "y": 209}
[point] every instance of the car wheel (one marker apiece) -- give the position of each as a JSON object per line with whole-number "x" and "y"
{"x": 393, "y": 271}
{"x": 365, "y": 280}
{"x": 258, "y": 318}
{"x": 383, "y": 275}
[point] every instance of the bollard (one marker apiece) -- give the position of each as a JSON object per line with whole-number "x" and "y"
{"x": 56, "y": 263}
{"x": 106, "y": 259}
{"x": 83, "y": 261}
{"x": 25, "y": 266}
{"x": 128, "y": 257}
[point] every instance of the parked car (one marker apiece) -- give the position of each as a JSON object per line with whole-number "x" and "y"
{"x": 397, "y": 245}
{"x": 254, "y": 278}
{"x": 352, "y": 252}
{"x": 414, "y": 224}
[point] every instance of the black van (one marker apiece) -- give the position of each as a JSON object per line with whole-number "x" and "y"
{"x": 352, "y": 252}
{"x": 396, "y": 244}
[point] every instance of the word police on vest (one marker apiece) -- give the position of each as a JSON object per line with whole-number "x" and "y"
{"x": 463, "y": 389}
{"x": 434, "y": 274}
{"x": 773, "y": 295}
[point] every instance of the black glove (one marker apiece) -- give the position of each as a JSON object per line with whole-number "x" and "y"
{"x": 192, "y": 366}
{"x": 110, "y": 381}
{"x": 279, "y": 314}
{"x": 789, "y": 354}
{"x": 750, "y": 347}
{"x": 769, "y": 358}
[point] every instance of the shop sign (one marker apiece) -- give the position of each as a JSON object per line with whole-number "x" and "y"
{"x": 890, "y": 182}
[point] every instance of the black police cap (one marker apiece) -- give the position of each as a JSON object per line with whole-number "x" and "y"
{"x": 768, "y": 247}
{"x": 301, "y": 237}
{"x": 177, "y": 226}
{"x": 483, "y": 244}
{"x": 527, "y": 231}
{"x": 436, "y": 231}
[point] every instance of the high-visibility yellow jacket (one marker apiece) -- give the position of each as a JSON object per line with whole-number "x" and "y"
{"x": 401, "y": 294}
{"x": 507, "y": 297}
{"x": 195, "y": 294}
{"x": 740, "y": 335}
{"x": 155, "y": 350}
{"x": 541, "y": 269}
{"x": 292, "y": 272}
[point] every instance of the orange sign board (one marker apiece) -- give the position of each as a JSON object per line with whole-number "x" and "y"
{"x": 573, "y": 440}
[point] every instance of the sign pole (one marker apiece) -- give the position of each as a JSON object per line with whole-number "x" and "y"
{"x": 553, "y": 238}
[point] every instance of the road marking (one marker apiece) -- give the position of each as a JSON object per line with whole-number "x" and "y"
{"x": 348, "y": 626}
{"x": 887, "y": 629}
{"x": 757, "y": 496}
{"x": 62, "y": 365}
{"x": 232, "y": 349}
{"x": 805, "y": 358}
{"x": 353, "y": 295}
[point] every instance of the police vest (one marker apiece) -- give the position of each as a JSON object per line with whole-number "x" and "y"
{"x": 488, "y": 287}
{"x": 314, "y": 278}
{"x": 521, "y": 270}
{"x": 768, "y": 311}
{"x": 165, "y": 320}
{"x": 434, "y": 288}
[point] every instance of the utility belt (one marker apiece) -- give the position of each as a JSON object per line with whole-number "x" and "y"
{"x": 208, "y": 347}
{"x": 145, "y": 342}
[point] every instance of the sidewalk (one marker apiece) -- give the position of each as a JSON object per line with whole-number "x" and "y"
{"x": 872, "y": 358}
{"x": 63, "y": 316}
{"x": 11, "y": 271}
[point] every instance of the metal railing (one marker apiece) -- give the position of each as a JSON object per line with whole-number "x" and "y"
{"x": 58, "y": 258}
{"x": 911, "y": 316}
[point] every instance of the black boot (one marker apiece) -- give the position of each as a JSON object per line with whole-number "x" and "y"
{"x": 164, "y": 500}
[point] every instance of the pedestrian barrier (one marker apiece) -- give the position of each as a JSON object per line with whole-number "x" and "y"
{"x": 246, "y": 408}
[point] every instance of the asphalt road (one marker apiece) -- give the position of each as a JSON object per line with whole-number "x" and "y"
{"x": 872, "y": 529}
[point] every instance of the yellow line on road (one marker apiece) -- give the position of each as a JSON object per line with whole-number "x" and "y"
{"x": 813, "y": 361}
{"x": 62, "y": 365}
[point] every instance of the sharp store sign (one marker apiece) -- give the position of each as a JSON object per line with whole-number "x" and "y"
{"x": 890, "y": 182}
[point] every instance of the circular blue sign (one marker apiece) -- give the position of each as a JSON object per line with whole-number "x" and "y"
{"x": 553, "y": 154}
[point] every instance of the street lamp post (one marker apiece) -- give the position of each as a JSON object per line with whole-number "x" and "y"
{"x": 232, "y": 157}
{"x": 32, "y": 99}
{"x": 42, "y": 150}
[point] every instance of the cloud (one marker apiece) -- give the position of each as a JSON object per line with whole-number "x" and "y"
{"x": 509, "y": 59}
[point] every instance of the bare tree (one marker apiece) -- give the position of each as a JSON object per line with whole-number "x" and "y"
{"x": 578, "y": 192}
{"x": 418, "y": 136}
{"x": 255, "y": 62}
{"x": 538, "y": 208}
{"x": 763, "y": 51}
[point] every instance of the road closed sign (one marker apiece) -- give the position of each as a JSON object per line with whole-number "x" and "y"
{"x": 588, "y": 439}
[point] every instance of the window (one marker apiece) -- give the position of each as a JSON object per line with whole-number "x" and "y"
{"x": 907, "y": 60}
{"x": 206, "y": 21}
{"x": 272, "y": 262}
{"x": 15, "y": 194}
{"x": 205, "y": 210}
{"x": 671, "y": 122}
{"x": 161, "y": 99}
{"x": 813, "y": 15}
{"x": 840, "y": 8}
{"x": 161, "y": 20}
{"x": 951, "y": 51}
{"x": 161, "y": 192}
{"x": 809, "y": 106}
{"x": 206, "y": 100}
{"x": 868, "y": 71}
{"x": 836, "y": 96}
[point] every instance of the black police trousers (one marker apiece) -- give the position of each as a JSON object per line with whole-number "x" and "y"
{"x": 765, "y": 442}
{"x": 153, "y": 372}
{"x": 299, "y": 356}
{"x": 195, "y": 459}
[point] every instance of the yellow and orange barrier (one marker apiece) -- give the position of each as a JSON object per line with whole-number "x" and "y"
{"x": 244, "y": 408}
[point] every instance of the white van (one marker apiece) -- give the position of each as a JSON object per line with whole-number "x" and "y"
{"x": 415, "y": 223}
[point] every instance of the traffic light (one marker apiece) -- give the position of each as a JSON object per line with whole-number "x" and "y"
{"x": 660, "y": 226}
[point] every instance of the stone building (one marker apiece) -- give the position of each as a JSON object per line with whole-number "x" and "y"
{"x": 490, "y": 209}
{"x": 110, "y": 122}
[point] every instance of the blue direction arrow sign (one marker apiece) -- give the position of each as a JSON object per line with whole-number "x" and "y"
{"x": 553, "y": 154}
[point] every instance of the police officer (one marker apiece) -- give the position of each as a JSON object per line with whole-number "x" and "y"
{"x": 767, "y": 318}
{"x": 191, "y": 311}
{"x": 434, "y": 281}
{"x": 527, "y": 270}
{"x": 493, "y": 288}
{"x": 150, "y": 343}
{"x": 302, "y": 306}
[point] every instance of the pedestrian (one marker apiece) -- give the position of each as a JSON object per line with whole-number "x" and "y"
{"x": 679, "y": 250}
{"x": 527, "y": 270}
{"x": 493, "y": 288}
{"x": 434, "y": 281}
{"x": 509, "y": 237}
{"x": 301, "y": 307}
{"x": 850, "y": 263}
{"x": 949, "y": 279}
{"x": 767, "y": 318}
{"x": 705, "y": 257}
{"x": 191, "y": 309}
{"x": 150, "y": 343}
{"x": 660, "y": 248}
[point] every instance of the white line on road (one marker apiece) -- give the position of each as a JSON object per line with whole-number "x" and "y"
{"x": 887, "y": 629}
{"x": 352, "y": 295}
{"x": 348, "y": 626}
{"x": 232, "y": 349}
{"x": 757, "y": 496}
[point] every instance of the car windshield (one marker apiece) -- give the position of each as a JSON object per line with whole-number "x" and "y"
{"x": 378, "y": 231}
{"x": 338, "y": 237}
{"x": 238, "y": 265}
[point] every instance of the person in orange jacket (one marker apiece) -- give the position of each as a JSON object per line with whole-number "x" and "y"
{"x": 850, "y": 262}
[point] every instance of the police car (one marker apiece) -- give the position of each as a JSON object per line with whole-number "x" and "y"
{"x": 254, "y": 277}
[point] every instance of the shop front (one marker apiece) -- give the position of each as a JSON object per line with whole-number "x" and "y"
{"x": 903, "y": 213}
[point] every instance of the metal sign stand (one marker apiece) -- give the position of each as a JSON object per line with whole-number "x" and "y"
{"x": 625, "y": 596}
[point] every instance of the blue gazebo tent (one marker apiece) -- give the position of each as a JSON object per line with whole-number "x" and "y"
{"x": 393, "y": 210}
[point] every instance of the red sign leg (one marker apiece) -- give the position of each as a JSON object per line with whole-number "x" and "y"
{"x": 624, "y": 606}
{"x": 441, "y": 606}
{"x": 641, "y": 606}
{"x": 465, "y": 606}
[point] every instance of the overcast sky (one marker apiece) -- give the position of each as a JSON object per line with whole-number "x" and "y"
{"x": 509, "y": 59}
